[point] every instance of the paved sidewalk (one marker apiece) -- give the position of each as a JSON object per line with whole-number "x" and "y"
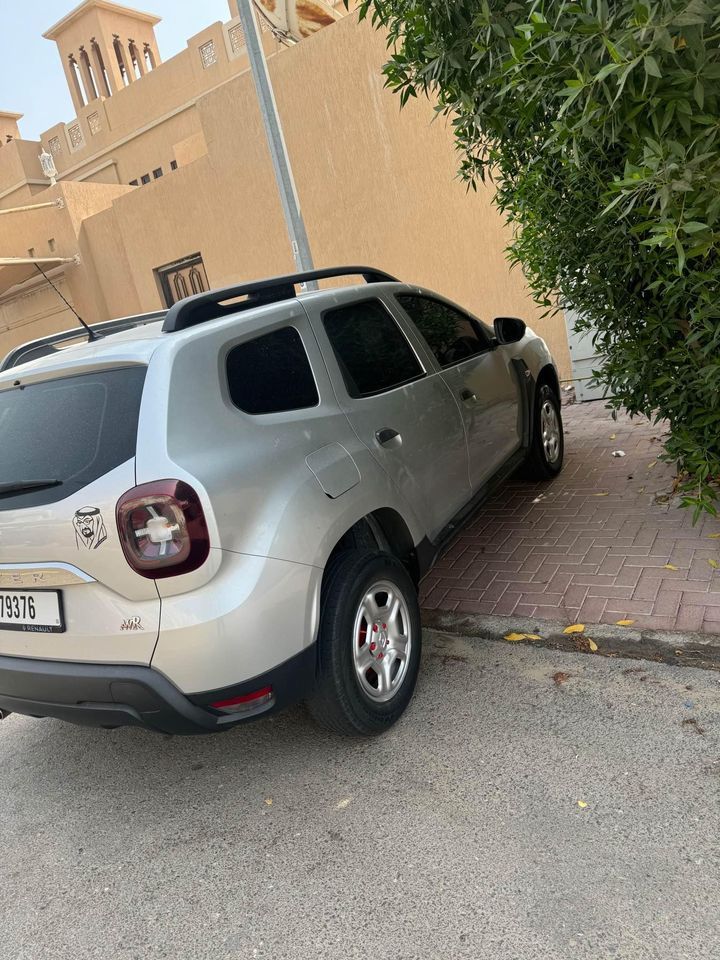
{"x": 593, "y": 545}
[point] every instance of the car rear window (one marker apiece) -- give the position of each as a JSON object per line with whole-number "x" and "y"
{"x": 72, "y": 429}
{"x": 271, "y": 374}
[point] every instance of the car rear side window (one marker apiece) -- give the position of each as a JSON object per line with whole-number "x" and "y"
{"x": 451, "y": 335}
{"x": 373, "y": 353}
{"x": 69, "y": 429}
{"x": 271, "y": 374}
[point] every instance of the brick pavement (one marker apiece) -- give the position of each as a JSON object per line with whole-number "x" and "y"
{"x": 590, "y": 546}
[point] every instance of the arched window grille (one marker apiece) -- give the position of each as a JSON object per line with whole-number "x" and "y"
{"x": 196, "y": 281}
{"x": 181, "y": 290}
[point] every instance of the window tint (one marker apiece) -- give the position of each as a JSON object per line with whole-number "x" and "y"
{"x": 73, "y": 429}
{"x": 371, "y": 349}
{"x": 452, "y": 336}
{"x": 271, "y": 374}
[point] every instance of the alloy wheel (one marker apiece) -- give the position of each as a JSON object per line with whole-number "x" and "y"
{"x": 382, "y": 641}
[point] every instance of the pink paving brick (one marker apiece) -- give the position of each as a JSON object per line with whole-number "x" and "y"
{"x": 628, "y": 576}
{"x": 611, "y": 593}
{"x": 593, "y": 609}
{"x": 480, "y": 607}
{"x": 495, "y": 591}
{"x": 483, "y": 579}
{"x": 559, "y": 583}
{"x": 432, "y": 599}
{"x": 506, "y": 604}
{"x": 648, "y": 588}
{"x": 611, "y": 566}
{"x": 549, "y": 613}
{"x": 575, "y": 596}
{"x": 667, "y": 604}
{"x": 577, "y": 556}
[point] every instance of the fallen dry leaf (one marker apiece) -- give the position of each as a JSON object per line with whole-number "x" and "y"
{"x": 268, "y": 801}
{"x": 670, "y": 566}
{"x": 514, "y": 637}
{"x": 601, "y": 494}
{"x": 714, "y": 536}
{"x": 582, "y": 804}
{"x": 343, "y": 803}
{"x": 575, "y": 628}
{"x": 624, "y": 623}
{"x": 652, "y": 464}
{"x": 714, "y": 564}
{"x": 560, "y": 677}
{"x": 613, "y": 436}
{"x": 593, "y": 646}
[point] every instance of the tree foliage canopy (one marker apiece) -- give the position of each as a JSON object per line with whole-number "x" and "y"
{"x": 599, "y": 122}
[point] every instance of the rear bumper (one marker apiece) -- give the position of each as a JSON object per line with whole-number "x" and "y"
{"x": 110, "y": 695}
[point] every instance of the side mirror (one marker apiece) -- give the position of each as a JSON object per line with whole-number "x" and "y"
{"x": 509, "y": 329}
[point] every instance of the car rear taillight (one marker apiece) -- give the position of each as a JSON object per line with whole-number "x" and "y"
{"x": 162, "y": 529}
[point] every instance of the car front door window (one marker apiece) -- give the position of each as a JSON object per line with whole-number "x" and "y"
{"x": 451, "y": 335}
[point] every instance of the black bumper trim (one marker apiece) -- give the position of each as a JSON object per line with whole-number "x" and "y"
{"x": 112, "y": 695}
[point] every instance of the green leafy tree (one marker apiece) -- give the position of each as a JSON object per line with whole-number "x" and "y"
{"x": 599, "y": 123}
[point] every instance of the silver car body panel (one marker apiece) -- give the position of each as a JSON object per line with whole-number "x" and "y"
{"x": 427, "y": 460}
{"x": 279, "y": 490}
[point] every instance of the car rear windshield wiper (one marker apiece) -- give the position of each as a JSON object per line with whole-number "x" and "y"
{"x": 19, "y": 485}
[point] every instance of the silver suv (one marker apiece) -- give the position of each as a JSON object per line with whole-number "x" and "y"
{"x": 220, "y": 510}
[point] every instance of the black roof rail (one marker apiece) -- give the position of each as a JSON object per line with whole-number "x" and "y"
{"x": 207, "y": 306}
{"x": 46, "y": 346}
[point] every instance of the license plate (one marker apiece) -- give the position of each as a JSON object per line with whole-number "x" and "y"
{"x": 36, "y": 611}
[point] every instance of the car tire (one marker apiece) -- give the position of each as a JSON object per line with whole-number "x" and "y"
{"x": 547, "y": 451}
{"x": 366, "y": 670}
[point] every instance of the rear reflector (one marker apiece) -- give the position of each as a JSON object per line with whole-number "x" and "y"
{"x": 249, "y": 701}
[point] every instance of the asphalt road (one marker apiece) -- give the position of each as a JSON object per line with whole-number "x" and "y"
{"x": 458, "y": 835}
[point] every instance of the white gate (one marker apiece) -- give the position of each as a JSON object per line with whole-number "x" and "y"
{"x": 584, "y": 360}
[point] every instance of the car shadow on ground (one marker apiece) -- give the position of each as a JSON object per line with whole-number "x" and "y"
{"x": 130, "y": 766}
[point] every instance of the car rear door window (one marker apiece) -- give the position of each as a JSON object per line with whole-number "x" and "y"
{"x": 271, "y": 374}
{"x": 372, "y": 351}
{"x": 70, "y": 429}
{"x": 451, "y": 335}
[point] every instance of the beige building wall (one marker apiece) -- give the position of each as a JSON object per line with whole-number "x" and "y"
{"x": 377, "y": 185}
{"x": 9, "y": 127}
{"x": 21, "y": 175}
{"x": 34, "y": 311}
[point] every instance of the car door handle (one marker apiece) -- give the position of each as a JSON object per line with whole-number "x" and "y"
{"x": 388, "y": 437}
{"x": 468, "y": 396}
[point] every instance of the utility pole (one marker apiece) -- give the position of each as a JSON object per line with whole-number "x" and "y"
{"x": 276, "y": 140}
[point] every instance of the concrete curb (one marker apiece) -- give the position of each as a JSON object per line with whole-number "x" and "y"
{"x": 681, "y": 649}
